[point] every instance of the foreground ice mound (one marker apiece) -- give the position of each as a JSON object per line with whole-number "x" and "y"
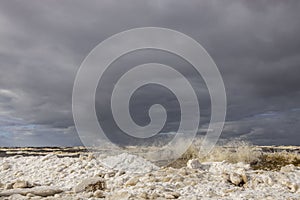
{"x": 119, "y": 177}
{"x": 129, "y": 163}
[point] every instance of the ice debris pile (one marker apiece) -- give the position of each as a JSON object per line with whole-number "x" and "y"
{"x": 128, "y": 176}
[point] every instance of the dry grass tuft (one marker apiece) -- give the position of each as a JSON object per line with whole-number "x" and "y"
{"x": 276, "y": 160}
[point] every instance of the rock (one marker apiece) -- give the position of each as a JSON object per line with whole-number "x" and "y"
{"x": 293, "y": 187}
{"x": 233, "y": 173}
{"x": 235, "y": 178}
{"x": 169, "y": 196}
{"x": 172, "y": 195}
{"x": 16, "y": 197}
{"x": 170, "y": 170}
{"x": 86, "y": 195}
{"x": 242, "y": 173}
{"x": 120, "y": 173}
{"x": 99, "y": 194}
{"x": 123, "y": 195}
{"x": 166, "y": 179}
{"x": 5, "y": 166}
{"x": 143, "y": 195}
{"x": 30, "y": 195}
{"x": 109, "y": 174}
{"x": 268, "y": 180}
{"x": 43, "y": 191}
{"x": 288, "y": 168}
{"x": 21, "y": 184}
{"x": 91, "y": 185}
{"x": 153, "y": 196}
{"x": 183, "y": 172}
{"x": 177, "y": 178}
{"x": 226, "y": 176}
{"x": 244, "y": 177}
{"x": 8, "y": 186}
{"x": 194, "y": 164}
{"x": 132, "y": 182}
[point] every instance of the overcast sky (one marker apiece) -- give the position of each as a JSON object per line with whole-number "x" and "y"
{"x": 255, "y": 44}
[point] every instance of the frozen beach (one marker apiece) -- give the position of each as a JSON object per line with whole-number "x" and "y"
{"x": 76, "y": 174}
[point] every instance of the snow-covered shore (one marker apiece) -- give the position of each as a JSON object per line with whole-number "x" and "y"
{"x": 130, "y": 177}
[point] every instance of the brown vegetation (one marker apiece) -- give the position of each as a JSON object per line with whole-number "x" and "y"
{"x": 240, "y": 151}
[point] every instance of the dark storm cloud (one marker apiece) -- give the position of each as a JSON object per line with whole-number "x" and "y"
{"x": 255, "y": 44}
{"x": 272, "y": 128}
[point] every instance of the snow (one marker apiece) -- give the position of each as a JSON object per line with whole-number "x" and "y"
{"x": 127, "y": 175}
{"x": 129, "y": 163}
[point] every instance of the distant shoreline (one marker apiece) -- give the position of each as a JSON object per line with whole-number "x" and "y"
{"x": 76, "y": 151}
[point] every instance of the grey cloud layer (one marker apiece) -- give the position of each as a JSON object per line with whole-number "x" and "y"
{"x": 255, "y": 44}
